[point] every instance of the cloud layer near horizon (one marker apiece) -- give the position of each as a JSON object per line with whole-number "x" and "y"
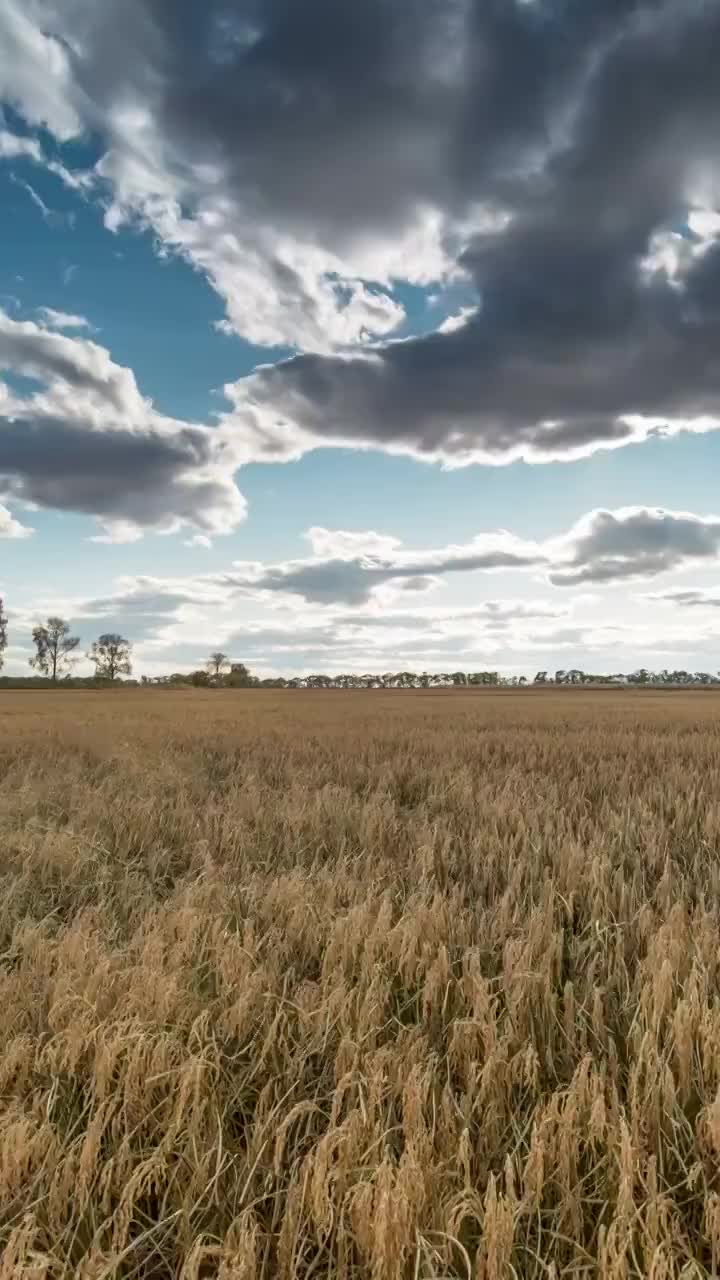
{"x": 363, "y": 600}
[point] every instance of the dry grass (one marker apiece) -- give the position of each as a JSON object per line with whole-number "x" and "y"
{"x": 366, "y": 986}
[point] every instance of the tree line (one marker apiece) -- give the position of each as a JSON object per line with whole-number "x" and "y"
{"x": 238, "y": 676}
{"x": 56, "y": 651}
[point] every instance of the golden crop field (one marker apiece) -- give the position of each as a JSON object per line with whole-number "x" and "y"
{"x": 370, "y": 986}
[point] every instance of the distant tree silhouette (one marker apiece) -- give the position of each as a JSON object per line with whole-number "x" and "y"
{"x": 110, "y": 654}
{"x": 53, "y": 647}
{"x": 217, "y": 663}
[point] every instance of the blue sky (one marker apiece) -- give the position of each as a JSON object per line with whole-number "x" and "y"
{"x": 338, "y": 377}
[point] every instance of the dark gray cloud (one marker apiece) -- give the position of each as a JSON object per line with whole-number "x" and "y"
{"x": 576, "y": 331}
{"x": 308, "y": 156}
{"x": 87, "y": 441}
{"x": 464, "y": 95}
{"x": 272, "y": 92}
{"x": 143, "y": 478}
{"x": 633, "y": 542}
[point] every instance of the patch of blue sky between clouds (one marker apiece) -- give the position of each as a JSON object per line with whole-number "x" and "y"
{"x": 154, "y": 313}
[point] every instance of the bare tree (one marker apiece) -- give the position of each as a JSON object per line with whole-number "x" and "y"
{"x": 110, "y": 654}
{"x": 54, "y": 646}
{"x": 3, "y": 632}
{"x": 217, "y": 663}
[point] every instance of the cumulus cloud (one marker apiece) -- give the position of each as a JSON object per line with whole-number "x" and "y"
{"x": 88, "y": 441}
{"x": 632, "y": 542}
{"x": 559, "y": 156}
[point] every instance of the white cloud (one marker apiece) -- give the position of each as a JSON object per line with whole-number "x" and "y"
{"x": 10, "y": 527}
{"x": 341, "y": 543}
{"x": 82, "y": 182}
{"x": 452, "y": 323}
{"x": 52, "y": 319}
{"x": 35, "y": 74}
{"x": 277, "y": 292}
{"x": 12, "y": 146}
{"x": 118, "y": 533}
{"x": 15, "y": 146}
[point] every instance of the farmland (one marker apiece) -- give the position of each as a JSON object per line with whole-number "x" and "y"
{"x": 372, "y": 986}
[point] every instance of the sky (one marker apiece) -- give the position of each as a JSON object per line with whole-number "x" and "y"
{"x": 362, "y": 337}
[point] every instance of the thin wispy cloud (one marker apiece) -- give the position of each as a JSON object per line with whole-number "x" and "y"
{"x": 52, "y": 319}
{"x": 52, "y": 217}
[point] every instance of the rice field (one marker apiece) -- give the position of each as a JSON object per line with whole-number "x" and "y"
{"x": 361, "y": 986}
